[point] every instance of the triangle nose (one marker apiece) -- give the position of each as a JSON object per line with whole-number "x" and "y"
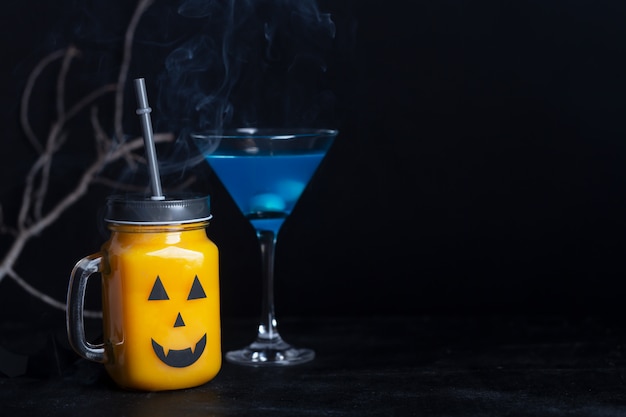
{"x": 179, "y": 321}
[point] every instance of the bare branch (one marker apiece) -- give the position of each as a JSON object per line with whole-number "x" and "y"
{"x": 46, "y": 298}
{"x": 65, "y": 67}
{"x": 103, "y": 141}
{"x": 88, "y": 99}
{"x": 25, "y": 233}
{"x": 27, "y": 194}
{"x": 4, "y": 228}
{"x": 88, "y": 176}
{"x": 31, "y": 219}
{"x": 44, "y": 179}
{"x": 28, "y": 90}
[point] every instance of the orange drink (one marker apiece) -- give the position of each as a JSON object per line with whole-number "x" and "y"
{"x": 160, "y": 296}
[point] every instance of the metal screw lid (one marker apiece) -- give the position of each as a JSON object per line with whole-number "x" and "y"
{"x": 139, "y": 209}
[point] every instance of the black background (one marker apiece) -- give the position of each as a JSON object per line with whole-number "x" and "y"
{"x": 480, "y": 166}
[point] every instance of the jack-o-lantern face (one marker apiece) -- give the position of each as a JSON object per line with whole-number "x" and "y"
{"x": 178, "y": 358}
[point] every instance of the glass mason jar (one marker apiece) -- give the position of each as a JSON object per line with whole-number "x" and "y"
{"x": 160, "y": 295}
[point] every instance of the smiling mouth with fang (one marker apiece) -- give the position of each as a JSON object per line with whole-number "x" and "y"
{"x": 180, "y": 358}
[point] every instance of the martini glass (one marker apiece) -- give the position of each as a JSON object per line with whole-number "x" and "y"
{"x": 265, "y": 171}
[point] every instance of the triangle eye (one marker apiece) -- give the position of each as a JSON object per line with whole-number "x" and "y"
{"x": 196, "y": 290}
{"x": 158, "y": 291}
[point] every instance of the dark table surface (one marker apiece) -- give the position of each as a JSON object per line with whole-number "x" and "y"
{"x": 374, "y": 366}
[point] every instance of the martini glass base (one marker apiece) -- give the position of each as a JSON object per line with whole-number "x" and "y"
{"x": 270, "y": 353}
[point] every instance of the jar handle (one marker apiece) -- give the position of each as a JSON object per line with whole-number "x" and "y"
{"x": 76, "y": 306}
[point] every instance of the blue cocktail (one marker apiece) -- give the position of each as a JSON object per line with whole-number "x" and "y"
{"x": 265, "y": 171}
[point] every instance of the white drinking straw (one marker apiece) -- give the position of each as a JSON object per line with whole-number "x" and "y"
{"x": 143, "y": 111}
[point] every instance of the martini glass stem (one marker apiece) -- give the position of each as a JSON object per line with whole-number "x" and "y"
{"x": 268, "y": 327}
{"x": 269, "y": 348}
